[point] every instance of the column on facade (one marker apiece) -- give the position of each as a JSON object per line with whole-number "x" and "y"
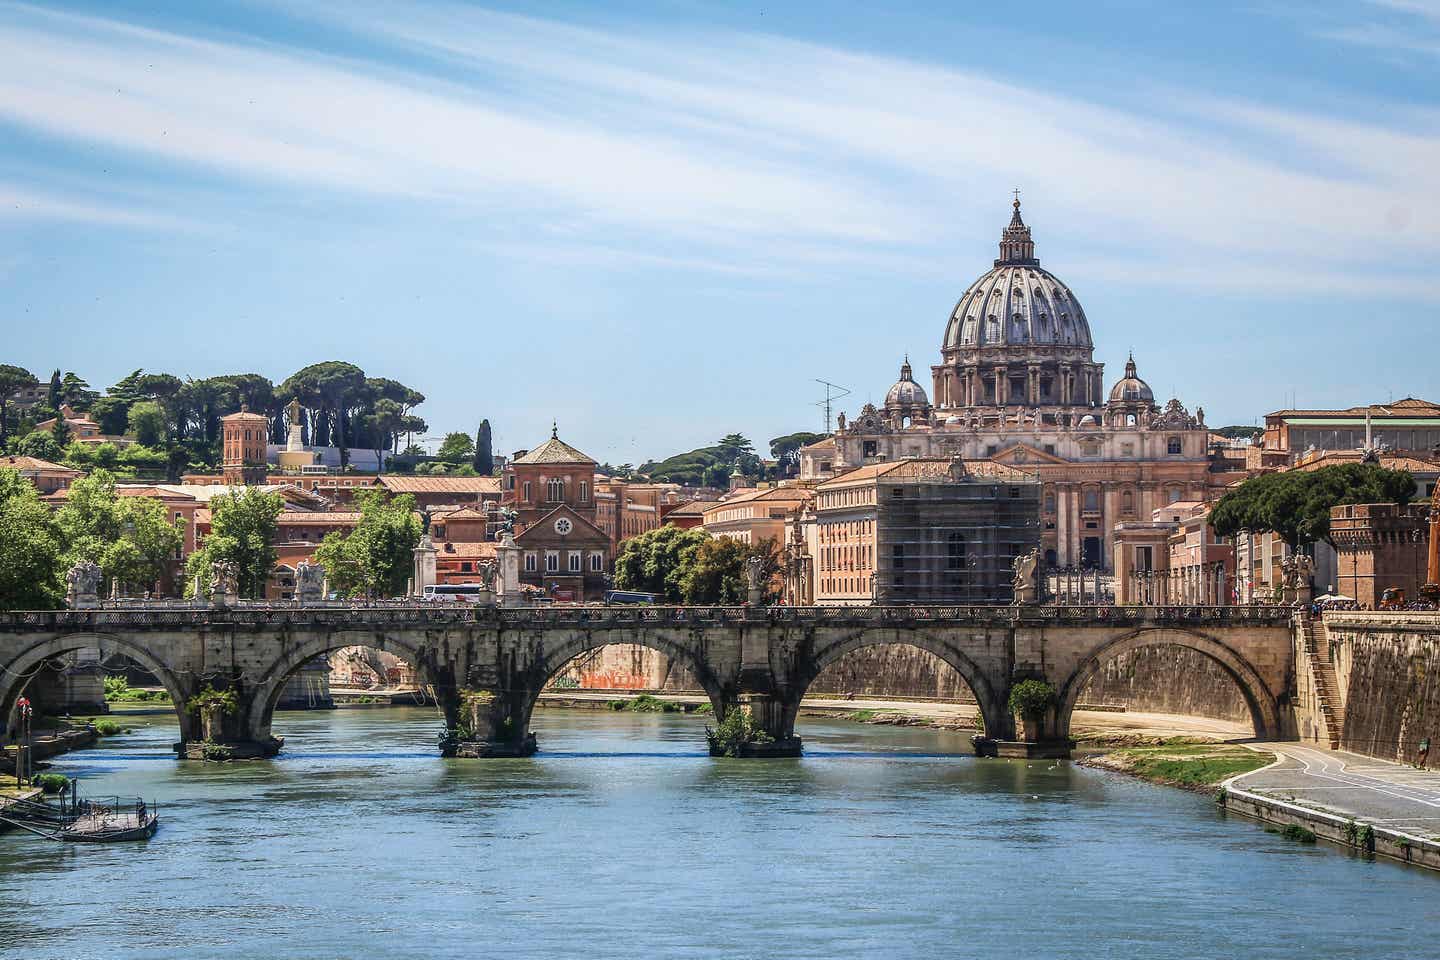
{"x": 1123, "y": 589}
{"x": 1002, "y": 387}
{"x": 1062, "y": 525}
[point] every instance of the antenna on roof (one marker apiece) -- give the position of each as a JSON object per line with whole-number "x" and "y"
{"x": 830, "y": 396}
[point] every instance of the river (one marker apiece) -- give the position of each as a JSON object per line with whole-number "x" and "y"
{"x": 622, "y": 839}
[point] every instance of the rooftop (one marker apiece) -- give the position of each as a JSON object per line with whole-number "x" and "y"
{"x": 404, "y": 483}
{"x": 554, "y": 450}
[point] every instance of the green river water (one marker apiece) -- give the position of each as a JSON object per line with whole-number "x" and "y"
{"x": 623, "y": 839}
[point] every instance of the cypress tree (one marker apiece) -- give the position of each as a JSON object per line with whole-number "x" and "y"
{"x": 484, "y": 462}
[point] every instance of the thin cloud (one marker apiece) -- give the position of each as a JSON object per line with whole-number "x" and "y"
{"x": 733, "y": 152}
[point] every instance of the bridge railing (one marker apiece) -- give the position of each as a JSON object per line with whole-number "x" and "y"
{"x": 368, "y": 616}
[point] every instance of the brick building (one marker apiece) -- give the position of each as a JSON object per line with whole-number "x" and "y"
{"x": 1380, "y": 545}
{"x": 564, "y": 551}
{"x": 244, "y": 436}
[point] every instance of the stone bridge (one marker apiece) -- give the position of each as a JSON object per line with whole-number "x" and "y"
{"x": 487, "y": 666}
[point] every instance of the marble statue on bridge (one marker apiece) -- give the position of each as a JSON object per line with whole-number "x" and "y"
{"x": 83, "y": 586}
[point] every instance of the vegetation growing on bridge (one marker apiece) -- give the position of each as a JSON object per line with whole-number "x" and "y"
{"x": 1031, "y": 698}
{"x": 733, "y": 734}
{"x": 223, "y": 701}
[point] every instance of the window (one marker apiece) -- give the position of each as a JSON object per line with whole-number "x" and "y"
{"x": 1092, "y": 500}
{"x": 897, "y": 493}
{"x": 597, "y": 561}
{"x": 956, "y": 557}
{"x": 1173, "y": 446}
{"x": 1127, "y": 502}
{"x": 574, "y": 561}
{"x": 552, "y": 561}
{"x": 1049, "y": 503}
{"x": 584, "y": 491}
{"x": 1172, "y": 495}
{"x": 555, "y": 490}
{"x": 530, "y": 563}
{"x": 526, "y": 498}
{"x": 897, "y": 556}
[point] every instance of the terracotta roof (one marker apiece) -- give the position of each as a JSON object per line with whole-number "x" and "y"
{"x": 35, "y": 464}
{"x": 1332, "y": 458}
{"x": 299, "y": 518}
{"x": 769, "y": 493}
{"x": 466, "y": 512}
{"x": 397, "y": 483}
{"x": 245, "y": 415}
{"x": 695, "y": 508}
{"x": 554, "y": 450}
{"x": 1409, "y": 406}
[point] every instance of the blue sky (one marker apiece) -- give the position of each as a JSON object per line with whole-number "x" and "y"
{"x": 660, "y": 222}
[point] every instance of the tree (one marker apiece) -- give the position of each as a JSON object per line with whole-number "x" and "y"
{"x": 40, "y": 445}
{"x": 375, "y": 559}
{"x": 657, "y": 561}
{"x": 786, "y": 449}
{"x": 719, "y": 572}
{"x": 1296, "y": 503}
{"x": 31, "y": 572}
{"x": 382, "y": 426}
{"x": 457, "y": 448}
{"x": 12, "y": 380}
{"x": 52, "y": 397}
{"x": 148, "y": 423}
{"x": 242, "y": 531}
{"x": 76, "y": 392}
{"x": 484, "y": 454}
{"x": 329, "y": 386}
{"x": 131, "y": 538}
{"x": 60, "y": 433}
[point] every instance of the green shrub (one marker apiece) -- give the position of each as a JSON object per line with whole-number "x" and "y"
{"x": 116, "y": 687}
{"x": 51, "y": 782}
{"x": 106, "y": 728}
{"x": 1293, "y": 831}
{"x": 210, "y": 698}
{"x": 565, "y": 683}
{"x": 1031, "y": 698}
{"x": 736, "y": 731}
{"x": 212, "y": 752}
{"x": 704, "y": 709}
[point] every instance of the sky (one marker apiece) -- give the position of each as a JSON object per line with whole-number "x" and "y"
{"x": 658, "y": 223}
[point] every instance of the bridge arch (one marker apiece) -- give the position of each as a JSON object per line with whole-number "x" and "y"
{"x": 1264, "y": 711}
{"x": 678, "y": 645}
{"x": 989, "y": 696}
{"x": 271, "y": 685}
{"x": 16, "y": 674}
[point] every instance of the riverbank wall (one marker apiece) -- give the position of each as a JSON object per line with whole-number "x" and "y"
{"x": 1357, "y": 835}
{"x": 1149, "y": 680}
{"x": 1386, "y": 670}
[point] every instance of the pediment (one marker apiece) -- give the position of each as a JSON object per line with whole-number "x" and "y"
{"x": 543, "y": 530}
{"x": 1021, "y": 453}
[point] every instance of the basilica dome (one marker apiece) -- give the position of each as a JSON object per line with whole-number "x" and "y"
{"x": 1017, "y": 303}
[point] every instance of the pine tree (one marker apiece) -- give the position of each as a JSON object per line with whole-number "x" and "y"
{"x": 484, "y": 456}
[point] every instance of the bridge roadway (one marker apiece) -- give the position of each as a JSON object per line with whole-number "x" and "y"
{"x": 488, "y": 665}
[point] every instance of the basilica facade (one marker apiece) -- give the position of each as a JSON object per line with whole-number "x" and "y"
{"x": 1017, "y": 383}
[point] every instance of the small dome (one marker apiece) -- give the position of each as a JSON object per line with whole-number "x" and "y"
{"x": 1130, "y": 388}
{"x": 906, "y": 392}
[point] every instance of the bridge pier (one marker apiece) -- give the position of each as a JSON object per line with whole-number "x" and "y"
{"x": 487, "y": 723}
{"x": 215, "y": 725}
{"x": 773, "y": 715}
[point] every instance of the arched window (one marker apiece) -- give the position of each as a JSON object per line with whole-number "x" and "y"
{"x": 1173, "y": 446}
{"x": 555, "y": 490}
{"x": 1127, "y": 502}
{"x": 1172, "y": 495}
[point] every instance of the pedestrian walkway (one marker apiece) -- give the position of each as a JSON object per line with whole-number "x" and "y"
{"x": 1389, "y": 795}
